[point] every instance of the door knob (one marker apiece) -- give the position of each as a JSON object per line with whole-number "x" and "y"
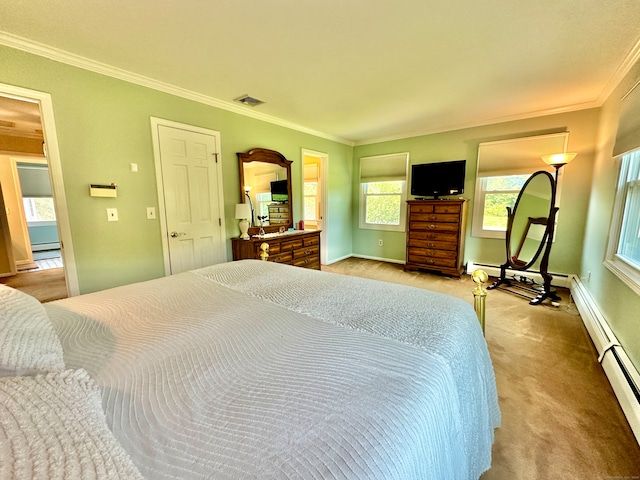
{"x": 175, "y": 234}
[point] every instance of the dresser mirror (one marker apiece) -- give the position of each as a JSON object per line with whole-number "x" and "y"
{"x": 529, "y": 236}
{"x": 265, "y": 183}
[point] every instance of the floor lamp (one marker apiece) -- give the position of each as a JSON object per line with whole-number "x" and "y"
{"x": 247, "y": 189}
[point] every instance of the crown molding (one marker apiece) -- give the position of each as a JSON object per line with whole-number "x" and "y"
{"x": 483, "y": 123}
{"x": 67, "y": 58}
{"x": 625, "y": 67}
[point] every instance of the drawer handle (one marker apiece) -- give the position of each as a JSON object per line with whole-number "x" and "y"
{"x": 431, "y": 245}
{"x": 307, "y": 252}
{"x": 432, "y": 226}
{"x": 433, "y": 217}
{"x": 431, "y": 236}
{"x": 430, "y": 262}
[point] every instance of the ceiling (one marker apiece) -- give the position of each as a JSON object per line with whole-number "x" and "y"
{"x": 358, "y": 70}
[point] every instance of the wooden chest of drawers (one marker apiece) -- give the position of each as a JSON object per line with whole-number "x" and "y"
{"x": 301, "y": 249}
{"x": 278, "y": 213}
{"x": 435, "y": 235}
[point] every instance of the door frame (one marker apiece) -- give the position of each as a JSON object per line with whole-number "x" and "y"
{"x": 162, "y": 211}
{"x": 55, "y": 174}
{"x": 324, "y": 210}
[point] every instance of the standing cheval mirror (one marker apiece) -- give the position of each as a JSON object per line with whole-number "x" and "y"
{"x": 529, "y": 236}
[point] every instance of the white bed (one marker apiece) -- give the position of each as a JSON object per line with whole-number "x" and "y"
{"x": 257, "y": 370}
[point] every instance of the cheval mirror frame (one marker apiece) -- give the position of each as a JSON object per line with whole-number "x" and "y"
{"x": 541, "y": 213}
{"x": 264, "y": 155}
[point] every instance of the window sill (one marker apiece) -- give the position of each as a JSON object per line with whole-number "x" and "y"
{"x": 387, "y": 228}
{"x": 625, "y": 272}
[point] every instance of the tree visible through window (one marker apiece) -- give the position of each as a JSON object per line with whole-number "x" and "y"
{"x": 310, "y": 200}
{"x": 383, "y": 191}
{"x": 382, "y": 202}
{"x": 39, "y": 209}
{"x": 498, "y": 193}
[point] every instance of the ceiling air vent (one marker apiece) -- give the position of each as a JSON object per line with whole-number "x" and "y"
{"x": 250, "y": 101}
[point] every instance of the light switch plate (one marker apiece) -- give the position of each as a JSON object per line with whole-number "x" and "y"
{"x": 112, "y": 214}
{"x": 151, "y": 213}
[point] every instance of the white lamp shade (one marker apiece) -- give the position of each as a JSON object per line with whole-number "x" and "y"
{"x": 558, "y": 159}
{"x": 243, "y": 210}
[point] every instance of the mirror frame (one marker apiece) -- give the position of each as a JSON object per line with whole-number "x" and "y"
{"x": 265, "y": 155}
{"x": 550, "y": 218}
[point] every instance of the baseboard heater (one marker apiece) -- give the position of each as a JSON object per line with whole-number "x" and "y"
{"x": 622, "y": 374}
{"x": 559, "y": 279}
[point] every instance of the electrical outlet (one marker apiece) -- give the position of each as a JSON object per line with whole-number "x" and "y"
{"x": 112, "y": 214}
{"x": 151, "y": 213}
{"x": 380, "y": 243}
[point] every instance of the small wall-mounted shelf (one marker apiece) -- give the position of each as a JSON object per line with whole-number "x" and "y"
{"x": 103, "y": 190}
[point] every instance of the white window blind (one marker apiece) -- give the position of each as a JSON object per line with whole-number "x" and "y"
{"x": 386, "y": 168}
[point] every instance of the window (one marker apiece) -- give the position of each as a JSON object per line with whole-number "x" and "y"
{"x": 383, "y": 190}
{"x": 623, "y": 252}
{"x": 38, "y": 210}
{"x": 503, "y": 168}
{"x": 263, "y": 200}
{"x": 310, "y": 200}
{"x": 498, "y": 193}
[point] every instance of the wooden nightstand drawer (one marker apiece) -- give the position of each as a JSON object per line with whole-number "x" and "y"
{"x": 431, "y": 252}
{"x": 416, "y": 208}
{"x": 432, "y": 236}
{"x": 433, "y": 226}
{"x": 432, "y": 245}
{"x": 286, "y": 257}
{"x": 305, "y": 252}
{"x": 432, "y": 261}
{"x": 436, "y": 217}
{"x": 291, "y": 244}
{"x": 307, "y": 262}
{"x": 447, "y": 208}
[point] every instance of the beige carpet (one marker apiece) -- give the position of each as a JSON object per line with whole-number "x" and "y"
{"x": 560, "y": 418}
{"x": 45, "y": 285}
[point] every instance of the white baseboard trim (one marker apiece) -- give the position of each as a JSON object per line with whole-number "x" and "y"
{"x": 622, "y": 374}
{"x": 559, "y": 279}
{"x": 336, "y": 260}
{"x": 380, "y": 259}
{"x": 45, "y": 246}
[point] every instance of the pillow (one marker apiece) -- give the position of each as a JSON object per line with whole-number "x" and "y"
{"x": 28, "y": 342}
{"x": 53, "y": 426}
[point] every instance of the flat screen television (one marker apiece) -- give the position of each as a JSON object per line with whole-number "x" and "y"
{"x": 438, "y": 179}
{"x": 279, "y": 191}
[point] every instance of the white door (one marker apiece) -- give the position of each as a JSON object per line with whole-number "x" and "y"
{"x": 191, "y": 180}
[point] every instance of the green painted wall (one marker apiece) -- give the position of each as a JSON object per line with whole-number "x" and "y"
{"x": 619, "y": 304}
{"x": 103, "y": 125}
{"x": 459, "y": 144}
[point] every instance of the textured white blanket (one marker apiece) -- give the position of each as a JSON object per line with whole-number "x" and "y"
{"x": 201, "y": 380}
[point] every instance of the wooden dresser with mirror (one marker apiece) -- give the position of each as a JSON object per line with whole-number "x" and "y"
{"x": 263, "y": 172}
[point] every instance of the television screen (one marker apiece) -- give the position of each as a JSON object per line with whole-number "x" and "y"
{"x": 438, "y": 179}
{"x": 279, "y": 191}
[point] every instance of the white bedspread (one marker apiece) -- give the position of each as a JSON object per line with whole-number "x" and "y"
{"x": 257, "y": 370}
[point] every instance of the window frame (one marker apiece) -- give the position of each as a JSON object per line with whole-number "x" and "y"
{"x": 400, "y": 227}
{"x": 362, "y": 223}
{"x": 626, "y": 271}
{"x": 479, "y": 205}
